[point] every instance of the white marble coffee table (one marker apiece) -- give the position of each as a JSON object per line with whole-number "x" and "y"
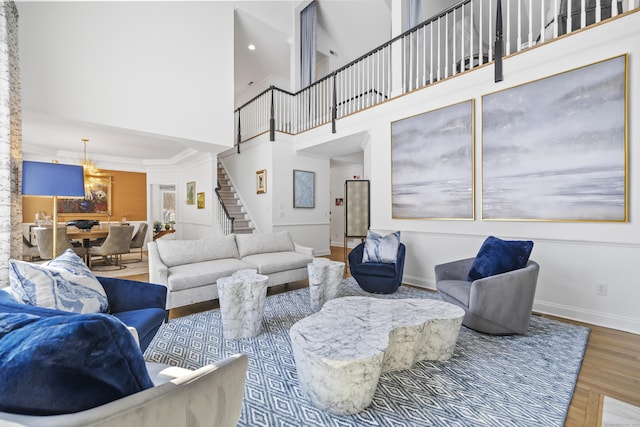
{"x": 241, "y": 297}
{"x": 325, "y": 277}
{"x": 341, "y": 351}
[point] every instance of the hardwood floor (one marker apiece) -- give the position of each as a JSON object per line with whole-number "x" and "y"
{"x": 611, "y": 364}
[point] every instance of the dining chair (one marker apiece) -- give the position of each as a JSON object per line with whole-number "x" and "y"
{"x": 44, "y": 238}
{"x": 117, "y": 243}
{"x": 29, "y": 250}
{"x": 139, "y": 238}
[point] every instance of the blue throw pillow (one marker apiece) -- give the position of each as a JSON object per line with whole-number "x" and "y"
{"x": 381, "y": 249}
{"x": 498, "y": 256}
{"x": 68, "y": 363}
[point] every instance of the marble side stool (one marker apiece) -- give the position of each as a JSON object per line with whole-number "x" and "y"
{"x": 341, "y": 351}
{"x": 241, "y": 297}
{"x": 325, "y": 278}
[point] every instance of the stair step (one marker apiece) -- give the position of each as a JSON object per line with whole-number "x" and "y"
{"x": 243, "y": 230}
{"x": 241, "y": 223}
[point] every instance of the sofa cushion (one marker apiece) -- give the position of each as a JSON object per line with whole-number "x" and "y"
{"x": 146, "y": 321}
{"x": 65, "y": 283}
{"x": 498, "y": 256}
{"x": 180, "y": 252}
{"x": 64, "y": 364}
{"x": 260, "y": 243}
{"x": 275, "y": 262}
{"x": 191, "y": 276}
{"x": 378, "y": 248}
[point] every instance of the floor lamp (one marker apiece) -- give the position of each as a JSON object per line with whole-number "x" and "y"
{"x": 52, "y": 180}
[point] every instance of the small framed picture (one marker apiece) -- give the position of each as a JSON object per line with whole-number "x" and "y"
{"x": 339, "y": 201}
{"x": 191, "y": 193}
{"x": 201, "y": 200}
{"x": 261, "y": 181}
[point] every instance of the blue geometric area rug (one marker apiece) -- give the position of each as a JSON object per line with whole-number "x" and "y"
{"x": 520, "y": 380}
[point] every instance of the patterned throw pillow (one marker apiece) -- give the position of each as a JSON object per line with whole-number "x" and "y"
{"x": 381, "y": 249}
{"x": 64, "y": 283}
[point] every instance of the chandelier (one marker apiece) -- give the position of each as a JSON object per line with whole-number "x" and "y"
{"x": 87, "y": 164}
{"x": 91, "y": 172}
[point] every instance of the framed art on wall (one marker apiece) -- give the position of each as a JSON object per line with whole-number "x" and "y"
{"x": 200, "y": 200}
{"x": 555, "y": 149}
{"x": 96, "y": 201}
{"x": 191, "y": 193}
{"x": 261, "y": 181}
{"x": 303, "y": 189}
{"x": 432, "y": 164}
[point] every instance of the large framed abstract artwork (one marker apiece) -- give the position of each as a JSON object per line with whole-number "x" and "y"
{"x": 432, "y": 164}
{"x": 555, "y": 149}
{"x": 97, "y": 198}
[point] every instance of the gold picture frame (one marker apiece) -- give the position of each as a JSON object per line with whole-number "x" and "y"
{"x": 201, "y": 200}
{"x": 575, "y": 167}
{"x": 261, "y": 181}
{"x": 191, "y": 193}
{"x": 432, "y": 164}
{"x": 97, "y": 201}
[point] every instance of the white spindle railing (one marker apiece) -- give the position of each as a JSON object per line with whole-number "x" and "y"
{"x": 454, "y": 41}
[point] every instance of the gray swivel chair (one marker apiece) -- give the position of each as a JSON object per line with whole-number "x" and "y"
{"x": 496, "y": 305}
{"x": 117, "y": 243}
{"x": 44, "y": 237}
{"x": 139, "y": 238}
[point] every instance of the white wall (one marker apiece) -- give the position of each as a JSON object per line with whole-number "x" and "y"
{"x": 574, "y": 256}
{"x": 241, "y": 169}
{"x": 191, "y": 222}
{"x": 146, "y": 66}
{"x": 339, "y": 175}
{"x": 274, "y": 210}
{"x": 307, "y": 226}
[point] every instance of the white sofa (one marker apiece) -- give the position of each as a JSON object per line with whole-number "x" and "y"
{"x": 190, "y": 268}
{"x": 211, "y": 395}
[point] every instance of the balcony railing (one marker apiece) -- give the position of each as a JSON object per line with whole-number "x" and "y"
{"x": 457, "y": 40}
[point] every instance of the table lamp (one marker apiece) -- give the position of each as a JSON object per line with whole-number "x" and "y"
{"x": 52, "y": 180}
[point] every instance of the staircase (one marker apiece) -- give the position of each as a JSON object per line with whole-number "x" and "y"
{"x": 231, "y": 203}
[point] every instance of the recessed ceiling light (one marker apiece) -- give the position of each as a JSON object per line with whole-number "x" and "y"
{"x": 252, "y": 47}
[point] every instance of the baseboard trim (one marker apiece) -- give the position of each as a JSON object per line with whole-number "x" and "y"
{"x": 596, "y": 318}
{"x": 605, "y": 320}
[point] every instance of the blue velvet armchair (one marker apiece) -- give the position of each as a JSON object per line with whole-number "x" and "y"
{"x": 137, "y": 304}
{"x": 379, "y": 278}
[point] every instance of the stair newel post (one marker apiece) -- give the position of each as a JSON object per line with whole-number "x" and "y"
{"x": 498, "y": 51}
{"x": 239, "y": 137}
{"x": 334, "y": 107}
{"x": 272, "y": 120}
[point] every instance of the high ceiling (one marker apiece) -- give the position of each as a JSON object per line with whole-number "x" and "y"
{"x": 346, "y": 27}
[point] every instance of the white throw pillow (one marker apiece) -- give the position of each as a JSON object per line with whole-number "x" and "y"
{"x": 381, "y": 249}
{"x": 64, "y": 283}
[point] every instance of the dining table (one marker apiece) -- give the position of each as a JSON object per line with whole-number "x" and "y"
{"x": 87, "y": 236}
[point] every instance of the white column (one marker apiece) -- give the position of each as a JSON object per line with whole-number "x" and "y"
{"x": 396, "y": 48}
{"x": 10, "y": 141}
